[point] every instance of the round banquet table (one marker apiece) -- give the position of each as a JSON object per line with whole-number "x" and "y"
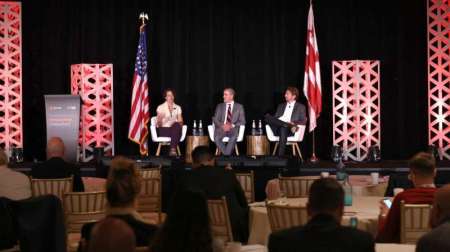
{"x": 391, "y": 247}
{"x": 365, "y": 209}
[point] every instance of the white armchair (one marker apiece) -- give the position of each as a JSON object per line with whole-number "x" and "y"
{"x": 164, "y": 140}
{"x": 292, "y": 140}
{"x": 240, "y": 137}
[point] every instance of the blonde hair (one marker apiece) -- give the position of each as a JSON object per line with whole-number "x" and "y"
{"x": 124, "y": 182}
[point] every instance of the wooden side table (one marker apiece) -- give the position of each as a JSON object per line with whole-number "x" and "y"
{"x": 257, "y": 146}
{"x": 192, "y": 142}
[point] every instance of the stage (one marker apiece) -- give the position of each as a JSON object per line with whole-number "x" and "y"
{"x": 264, "y": 169}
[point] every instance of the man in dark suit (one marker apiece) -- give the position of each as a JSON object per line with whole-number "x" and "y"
{"x": 323, "y": 232}
{"x": 56, "y": 166}
{"x": 228, "y": 118}
{"x": 216, "y": 182}
{"x": 288, "y": 116}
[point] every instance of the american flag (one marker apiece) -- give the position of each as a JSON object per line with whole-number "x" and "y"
{"x": 312, "y": 86}
{"x": 140, "y": 115}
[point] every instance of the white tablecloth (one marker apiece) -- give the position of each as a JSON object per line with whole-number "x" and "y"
{"x": 365, "y": 209}
{"x": 389, "y": 247}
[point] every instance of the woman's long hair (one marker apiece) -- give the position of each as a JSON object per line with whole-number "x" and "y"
{"x": 186, "y": 228}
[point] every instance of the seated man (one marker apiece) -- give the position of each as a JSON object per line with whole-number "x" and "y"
{"x": 287, "y": 117}
{"x": 228, "y": 118}
{"x": 13, "y": 185}
{"x": 216, "y": 182}
{"x": 437, "y": 239}
{"x": 422, "y": 170}
{"x": 56, "y": 166}
{"x": 323, "y": 232}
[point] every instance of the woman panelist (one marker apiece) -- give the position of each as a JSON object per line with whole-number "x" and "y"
{"x": 169, "y": 120}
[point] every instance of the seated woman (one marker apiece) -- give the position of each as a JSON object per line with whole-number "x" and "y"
{"x": 170, "y": 121}
{"x": 122, "y": 188}
{"x": 186, "y": 227}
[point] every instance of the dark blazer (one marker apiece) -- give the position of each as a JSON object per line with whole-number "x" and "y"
{"x": 437, "y": 240}
{"x": 58, "y": 168}
{"x": 298, "y": 114}
{"x": 143, "y": 232}
{"x": 321, "y": 233}
{"x": 237, "y": 117}
{"x": 216, "y": 182}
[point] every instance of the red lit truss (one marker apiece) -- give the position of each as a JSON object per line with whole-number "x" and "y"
{"x": 10, "y": 75}
{"x": 94, "y": 84}
{"x": 356, "y": 107}
{"x": 439, "y": 75}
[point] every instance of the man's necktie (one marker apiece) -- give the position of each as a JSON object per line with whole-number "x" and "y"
{"x": 229, "y": 114}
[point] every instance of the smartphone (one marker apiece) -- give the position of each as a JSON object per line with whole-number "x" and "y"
{"x": 387, "y": 202}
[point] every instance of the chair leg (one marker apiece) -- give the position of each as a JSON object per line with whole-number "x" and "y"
{"x": 236, "y": 150}
{"x": 158, "y": 151}
{"x": 293, "y": 150}
{"x": 299, "y": 152}
{"x": 178, "y": 150}
{"x": 217, "y": 151}
{"x": 275, "y": 149}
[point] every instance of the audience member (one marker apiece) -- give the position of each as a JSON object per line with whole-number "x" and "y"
{"x": 122, "y": 188}
{"x": 186, "y": 228}
{"x": 422, "y": 170}
{"x": 13, "y": 185}
{"x": 112, "y": 235}
{"x": 437, "y": 240}
{"x": 323, "y": 232}
{"x": 217, "y": 182}
{"x": 56, "y": 166}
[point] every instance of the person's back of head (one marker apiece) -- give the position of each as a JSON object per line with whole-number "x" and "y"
{"x": 186, "y": 227}
{"x": 422, "y": 169}
{"x": 112, "y": 235}
{"x": 441, "y": 207}
{"x": 326, "y": 196}
{"x": 3, "y": 158}
{"x": 55, "y": 147}
{"x": 202, "y": 156}
{"x": 123, "y": 184}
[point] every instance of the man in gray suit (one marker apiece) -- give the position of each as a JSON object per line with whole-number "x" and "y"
{"x": 228, "y": 118}
{"x": 437, "y": 240}
{"x": 288, "y": 115}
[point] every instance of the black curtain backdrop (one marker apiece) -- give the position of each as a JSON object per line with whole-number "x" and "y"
{"x": 257, "y": 47}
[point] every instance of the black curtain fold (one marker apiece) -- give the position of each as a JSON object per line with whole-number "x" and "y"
{"x": 198, "y": 47}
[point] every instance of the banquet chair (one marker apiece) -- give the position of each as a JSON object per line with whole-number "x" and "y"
{"x": 149, "y": 200}
{"x": 248, "y": 185}
{"x": 219, "y": 220}
{"x": 81, "y": 208}
{"x": 164, "y": 140}
{"x": 292, "y": 140}
{"x": 414, "y": 221}
{"x": 55, "y": 187}
{"x": 142, "y": 249}
{"x": 285, "y": 216}
{"x": 296, "y": 187}
{"x": 239, "y": 139}
{"x": 150, "y": 172}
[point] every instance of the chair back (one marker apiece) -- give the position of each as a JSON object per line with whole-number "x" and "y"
{"x": 248, "y": 185}
{"x": 55, "y": 187}
{"x": 240, "y": 137}
{"x": 149, "y": 200}
{"x": 219, "y": 219}
{"x": 284, "y": 216}
{"x": 414, "y": 221}
{"x": 211, "y": 132}
{"x": 150, "y": 172}
{"x": 142, "y": 249}
{"x": 270, "y": 135}
{"x": 299, "y": 134}
{"x": 296, "y": 187}
{"x": 83, "y": 207}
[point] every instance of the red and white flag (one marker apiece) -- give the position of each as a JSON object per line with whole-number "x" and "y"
{"x": 140, "y": 107}
{"x": 312, "y": 86}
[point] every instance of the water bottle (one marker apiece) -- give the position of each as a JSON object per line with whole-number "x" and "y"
{"x": 194, "y": 128}
{"x": 341, "y": 174}
{"x": 200, "y": 128}
{"x": 253, "y": 128}
{"x": 354, "y": 222}
{"x": 348, "y": 193}
{"x": 260, "y": 128}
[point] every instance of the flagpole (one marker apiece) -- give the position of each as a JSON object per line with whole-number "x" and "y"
{"x": 314, "y": 158}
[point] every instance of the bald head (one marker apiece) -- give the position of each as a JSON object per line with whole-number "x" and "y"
{"x": 112, "y": 235}
{"x": 441, "y": 207}
{"x": 55, "y": 147}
